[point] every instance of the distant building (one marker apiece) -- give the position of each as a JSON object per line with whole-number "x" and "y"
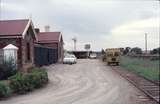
{"x": 52, "y": 40}
{"x": 79, "y": 54}
{"x": 20, "y": 33}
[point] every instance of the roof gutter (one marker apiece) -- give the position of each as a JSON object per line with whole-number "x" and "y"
{"x": 8, "y": 36}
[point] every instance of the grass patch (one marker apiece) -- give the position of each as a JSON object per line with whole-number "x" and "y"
{"x": 145, "y": 67}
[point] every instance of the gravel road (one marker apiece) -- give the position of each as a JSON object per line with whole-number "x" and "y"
{"x": 87, "y": 82}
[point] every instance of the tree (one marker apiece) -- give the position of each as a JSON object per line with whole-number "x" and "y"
{"x": 155, "y": 51}
{"x": 136, "y": 50}
{"x": 126, "y": 50}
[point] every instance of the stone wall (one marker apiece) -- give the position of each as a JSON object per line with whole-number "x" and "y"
{"x": 28, "y": 40}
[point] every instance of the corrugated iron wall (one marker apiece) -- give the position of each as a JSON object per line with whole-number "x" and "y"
{"x": 1, "y": 56}
{"x": 44, "y": 55}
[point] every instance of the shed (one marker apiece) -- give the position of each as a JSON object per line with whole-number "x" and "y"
{"x": 53, "y": 40}
{"x": 20, "y": 33}
{"x": 80, "y": 54}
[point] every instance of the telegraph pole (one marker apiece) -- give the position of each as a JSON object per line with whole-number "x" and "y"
{"x": 146, "y": 42}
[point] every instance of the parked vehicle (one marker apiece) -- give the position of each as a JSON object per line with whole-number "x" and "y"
{"x": 112, "y": 56}
{"x": 93, "y": 56}
{"x": 70, "y": 59}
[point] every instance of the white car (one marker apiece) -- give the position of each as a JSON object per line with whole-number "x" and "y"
{"x": 93, "y": 56}
{"x": 69, "y": 59}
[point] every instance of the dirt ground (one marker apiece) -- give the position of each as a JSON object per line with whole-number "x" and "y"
{"x": 87, "y": 82}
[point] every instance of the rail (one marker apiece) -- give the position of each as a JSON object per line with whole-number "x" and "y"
{"x": 150, "y": 88}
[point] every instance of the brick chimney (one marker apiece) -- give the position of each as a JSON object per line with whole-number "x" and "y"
{"x": 37, "y": 30}
{"x": 47, "y": 28}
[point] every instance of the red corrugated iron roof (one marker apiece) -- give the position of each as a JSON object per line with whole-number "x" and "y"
{"x": 49, "y": 37}
{"x": 13, "y": 27}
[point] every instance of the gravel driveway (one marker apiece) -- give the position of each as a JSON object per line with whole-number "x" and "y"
{"x": 87, "y": 82}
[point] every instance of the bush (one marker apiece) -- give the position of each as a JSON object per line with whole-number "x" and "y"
{"x": 155, "y": 51}
{"x": 24, "y": 82}
{"x": 38, "y": 76}
{"x": 5, "y": 91}
{"x": 19, "y": 83}
{"x": 7, "y": 69}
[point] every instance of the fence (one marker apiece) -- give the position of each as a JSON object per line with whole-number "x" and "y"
{"x": 152, "y": 57}
{"x": 44, "y": 55}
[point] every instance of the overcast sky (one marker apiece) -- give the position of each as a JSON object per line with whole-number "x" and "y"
{"x": 101, "y": 23}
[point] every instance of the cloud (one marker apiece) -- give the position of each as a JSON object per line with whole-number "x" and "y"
{"x": 13, "y": 7}
{"x": 132, "y": 33}
{"x": 93, "y": 21}
{"x": 136, "y": 26}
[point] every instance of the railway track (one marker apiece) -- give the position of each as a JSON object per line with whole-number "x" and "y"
{"x": 150, "y": 88}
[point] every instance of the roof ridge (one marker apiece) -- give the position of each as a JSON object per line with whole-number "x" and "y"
{"x": 51, "y": 32}
{"x": 15, "y": 20}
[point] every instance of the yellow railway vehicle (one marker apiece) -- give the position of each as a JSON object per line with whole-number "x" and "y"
{"x": 112, "y": 56}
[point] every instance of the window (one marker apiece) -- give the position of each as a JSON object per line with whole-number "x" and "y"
{"x": 109, "y": 54}
{"x": 28, "y": 52}
{"x": 116, "y": 54}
